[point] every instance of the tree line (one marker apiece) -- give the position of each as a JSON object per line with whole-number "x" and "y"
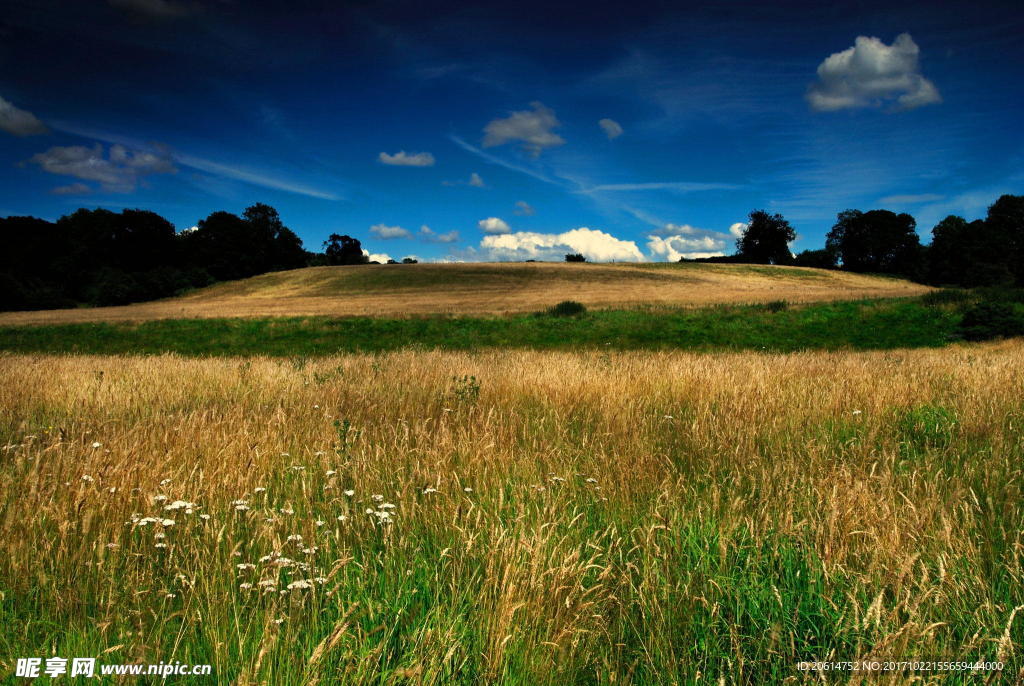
{"x": 984, "y": 252}
{"x": 100, "y": 257}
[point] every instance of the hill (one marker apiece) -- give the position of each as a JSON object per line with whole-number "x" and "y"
{"x": 489, "y": 288}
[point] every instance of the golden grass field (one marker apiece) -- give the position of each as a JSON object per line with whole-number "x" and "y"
{"x": 517, "y": 517}
{"x": 484, "y": 289}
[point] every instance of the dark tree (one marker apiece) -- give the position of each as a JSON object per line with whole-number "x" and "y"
{"x": 344, "y": 250}
{"x": 819, "y": 259}
{"x": 410, "y": 260}
{"x": 575, "y": 257}
{"x": 282, "y": 247}
{"x": 221, "y": 246}
{"x": 766, "y": 239}
{"x": 876, "y": 241}
{"x": 1005, "y": 225}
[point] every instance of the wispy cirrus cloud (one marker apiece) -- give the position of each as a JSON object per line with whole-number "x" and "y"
{"x": 256, "y": 177}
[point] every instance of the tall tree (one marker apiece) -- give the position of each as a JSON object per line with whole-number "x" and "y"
{"x": 876, "y": 241}
{"x": 344, "y": 250}
{"x": 766, "y": 239}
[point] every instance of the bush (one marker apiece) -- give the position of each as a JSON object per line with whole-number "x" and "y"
{"x": 776, "y": 306}
{"x": 575, "y": 257}
{"x": 567, "y": 308}
{"x": 946, "y": 296}
{"x": 989, "y": 319}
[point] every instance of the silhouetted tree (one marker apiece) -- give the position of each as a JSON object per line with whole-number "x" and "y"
{"x": 344, "y": 250}
{"x": 409, "y": 260}
{"x": 283, "y": 248}
{"x": 876, "y": 241}
{"x": 766, "y": 239}
{"x": 575, "y": 257}
{"x": 1005, "y": 225}
{"x": 819, "y": 259}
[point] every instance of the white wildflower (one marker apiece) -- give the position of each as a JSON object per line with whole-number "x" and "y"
{"x": 159, "y": 498}
{"x": 467, "y": 489}
{"x": 349, "y": 493}
{"x": 244, "y": 587}
{"x": 180, "y": 505}
{"x": 330, "y": 472}
{"x": 300, "y": 584}
{"x": 245, "y": 566}
{"x": 97, "y": 444}
{"x": 259, "y": 489}
{"x": 87, "y": 478}
{"x": 428, "y": 490}
{"x": 167, "y": 522}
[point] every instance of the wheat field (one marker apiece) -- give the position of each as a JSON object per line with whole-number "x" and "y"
{"x": 516, "y": 517}
{"x": 489, "y": 289}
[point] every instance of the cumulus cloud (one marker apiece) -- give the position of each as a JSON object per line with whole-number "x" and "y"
{"x": 19, "y": 122}
{"x": 152, "y": 9}
{"x": 532, "y": 128}
{"x": 672, "y": 248}
{"x": 672, "y": 241}
{"x": 119, "y": 171}
{"x": 389, "y": 232}
{"x": 611, "y": 128}
{"x": 494, "y": 225}
{"x": 431, "y": 236}
{"x": 523, "y": 208}
{"x": 381, "y": 257}
{"x": 737, "y": 229}
{"x": 72, "y": 189}
{"x": 595, "y": 245}
{"x": 872, "y": 74}
{"x": 404, "y": 159}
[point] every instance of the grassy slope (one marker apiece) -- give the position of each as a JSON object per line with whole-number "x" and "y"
{"x": 851, "y": 325}
{"x": 488, "y": 289}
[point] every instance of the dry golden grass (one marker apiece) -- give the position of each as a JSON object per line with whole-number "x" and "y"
{"x": 559, "y": 517}
{"x": 477, "y": 289}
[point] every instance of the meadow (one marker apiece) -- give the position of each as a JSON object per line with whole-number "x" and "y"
{"x": 482, "y": 289}
{"x": 507, "y": 516}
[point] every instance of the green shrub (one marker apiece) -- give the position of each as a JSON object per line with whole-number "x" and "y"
{"x": 988, "y": 319}
{"x": 946, "y": 296}
{"x": 567, "y": 308}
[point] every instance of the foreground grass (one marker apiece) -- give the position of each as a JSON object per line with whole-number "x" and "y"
{"x": 560, "y": 518}
{"x": 864, "y": 325}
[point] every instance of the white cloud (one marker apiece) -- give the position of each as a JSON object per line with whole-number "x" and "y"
{"x": 595, "y": 245}
{"x": 389, "y": 232}
{"x": 494, "y": 225}
{"x": 19, "y": 122}
{"x": 381, "y": 257}
{"x": 524, "y": 209}
{"x": 475, "y": 180}
{"x": 533, "y": 128}
{"x": 871, "y": 74}
{"x": 611, "y": 128}
{"x": 672, "y": 241}
{"x": 403, "y": 159}
{"x": 673, "y": 247}
{"x": 432, "y": 236}
{"x": 119, "y": 172}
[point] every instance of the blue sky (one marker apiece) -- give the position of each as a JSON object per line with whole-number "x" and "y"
{"x": 639, "y": 131}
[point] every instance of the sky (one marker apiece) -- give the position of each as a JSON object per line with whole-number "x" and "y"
{"x": 641, "y": 131}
